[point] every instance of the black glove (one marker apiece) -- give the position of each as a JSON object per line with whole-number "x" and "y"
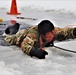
{"x": 39, "y": 53}
{"x": 49, "y": 44}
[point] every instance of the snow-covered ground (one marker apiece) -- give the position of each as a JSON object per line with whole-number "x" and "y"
{"x": 14, "y": 62}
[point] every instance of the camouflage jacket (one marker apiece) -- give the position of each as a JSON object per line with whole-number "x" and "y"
{"x": 28, "y": 38}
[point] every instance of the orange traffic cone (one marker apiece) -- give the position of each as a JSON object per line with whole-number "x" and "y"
{"x": 13, "y": 10}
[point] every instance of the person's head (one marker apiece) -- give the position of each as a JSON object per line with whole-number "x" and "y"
{"x": 46, "y": 30}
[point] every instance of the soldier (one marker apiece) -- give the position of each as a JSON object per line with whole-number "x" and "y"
{"x": 33, "y": 40}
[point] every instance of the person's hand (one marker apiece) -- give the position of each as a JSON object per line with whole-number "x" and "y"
{"x": 39, "y": 53}
{"x": 49, "y": 44}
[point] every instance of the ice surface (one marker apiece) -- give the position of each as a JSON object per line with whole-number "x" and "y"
{"x": 14, "y": 62}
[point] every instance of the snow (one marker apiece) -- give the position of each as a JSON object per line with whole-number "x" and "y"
{"x": 71, "y": 46}
{"x": 14, "y": 62}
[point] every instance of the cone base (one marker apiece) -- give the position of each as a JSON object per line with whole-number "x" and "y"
{"x": 13, "y": 13}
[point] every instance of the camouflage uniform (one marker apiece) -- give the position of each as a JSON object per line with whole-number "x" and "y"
{"x": 28, "y": 38}
{"x": 24, "y": 38}
{"x": 64, "y": 34}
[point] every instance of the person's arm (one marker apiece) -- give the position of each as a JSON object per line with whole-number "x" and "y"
{"x": 11, "y": 39}
{"x": 20, "y": 36}
{"x": 64, "y": 33}
{"x": 28, "y": 47}
{"x": 41, "y": 43}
